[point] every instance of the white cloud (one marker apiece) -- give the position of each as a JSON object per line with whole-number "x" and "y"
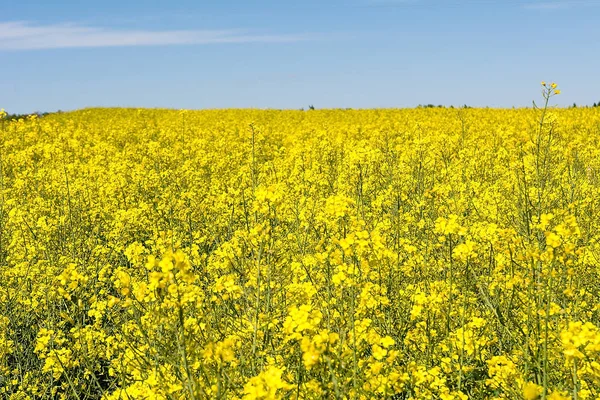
{"x": 21, "y": 35}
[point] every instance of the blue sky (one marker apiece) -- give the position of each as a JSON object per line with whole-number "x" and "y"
{"x": 71, "y": 54}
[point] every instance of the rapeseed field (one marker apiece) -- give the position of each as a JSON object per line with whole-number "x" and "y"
{"x": 427, "y": 253}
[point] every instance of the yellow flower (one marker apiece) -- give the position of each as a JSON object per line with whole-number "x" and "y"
{"x": 378, "y": 352}
{"x": 531, "y": 391}
{"x": 387, "y": 342}
{"x": 267, "y": 385}
{"x": 558, "y": 396}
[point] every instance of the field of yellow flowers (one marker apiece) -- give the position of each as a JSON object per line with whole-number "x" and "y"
{"x": 328, "y": 254}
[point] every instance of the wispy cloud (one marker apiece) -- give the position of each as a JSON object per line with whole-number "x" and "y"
{"x": 390, "y": 3}
{"x": 556, "y": 5}
{"x": 551, "y": 5}
{"x": 528, "y": 4}
{"x": 20, "y": 35}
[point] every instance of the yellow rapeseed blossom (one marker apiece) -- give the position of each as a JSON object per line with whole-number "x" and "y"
{"x": 427, "y": 253}
{"x": 531, "y": 391}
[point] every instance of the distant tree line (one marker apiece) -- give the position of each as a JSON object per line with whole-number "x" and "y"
{"x": 439, "y": 106}
{"x": 592, "y": 106}
{"x": 14, "y": 117}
